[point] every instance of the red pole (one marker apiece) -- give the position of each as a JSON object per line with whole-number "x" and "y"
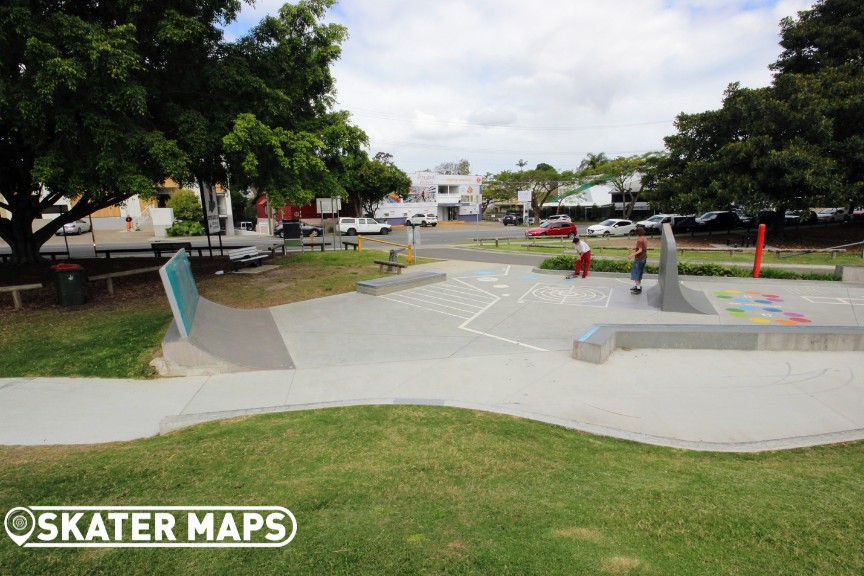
{"x": 760, "y": 243}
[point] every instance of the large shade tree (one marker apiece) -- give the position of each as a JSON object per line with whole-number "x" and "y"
{"x": 796, "y": 143}
{"x": 102, "y": 101}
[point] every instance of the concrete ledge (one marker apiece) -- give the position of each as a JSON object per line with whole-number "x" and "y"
{"x": 601, "y": 340}
{"x": 379, "y": 286}
{"x": 849, "y": 273}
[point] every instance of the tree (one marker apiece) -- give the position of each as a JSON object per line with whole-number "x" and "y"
{"x": 793, "y": 144}
{"x": 102, "y": 101}
{"x": 462, "y": 167}
{"x": 292, "y": 148}
{"x": 496, "y": 190}
{"x": 625, "y": 174}
{"x": 592, "y": 161}
{"x": 543, "y": 181}
{"x": 376, "y": 180}
{"x": 79, "y": 87}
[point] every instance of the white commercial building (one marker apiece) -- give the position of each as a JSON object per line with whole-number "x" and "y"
{"x": 448, "y": 196}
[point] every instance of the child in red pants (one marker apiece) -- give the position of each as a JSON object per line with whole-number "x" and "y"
{"x": 583, "y": 261}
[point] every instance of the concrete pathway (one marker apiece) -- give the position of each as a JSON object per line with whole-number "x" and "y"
{"x": 498, "y": 337}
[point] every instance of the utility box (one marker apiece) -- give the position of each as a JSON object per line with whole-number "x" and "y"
{"x": 68, "y": 281}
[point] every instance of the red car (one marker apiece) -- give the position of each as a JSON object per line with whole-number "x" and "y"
{"x": 553, "y": 228}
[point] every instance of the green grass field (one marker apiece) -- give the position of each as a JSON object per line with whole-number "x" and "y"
{"x": 428, "y": 490}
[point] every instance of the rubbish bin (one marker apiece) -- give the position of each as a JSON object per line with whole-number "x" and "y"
{"x": 68, "y": 281}
{"x": 291, "y": 230}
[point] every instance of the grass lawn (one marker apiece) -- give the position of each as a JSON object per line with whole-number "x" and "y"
{"x": 430, "y": 490}
{"x": 617, "y": 248}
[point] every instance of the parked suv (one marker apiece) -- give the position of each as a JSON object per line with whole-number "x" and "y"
{"x": 354, "y": 226}
{"x": 422, "y": 219}
{"x": 558, "y": 217}
{"x": 512, "y": 218}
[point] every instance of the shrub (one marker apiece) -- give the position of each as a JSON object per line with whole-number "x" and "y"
{"x": 186, "y": 228}
{"x": 564, "y": 262}
{"x": 186, "y": 206}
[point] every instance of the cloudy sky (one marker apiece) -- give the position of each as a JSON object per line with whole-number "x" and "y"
{"x": 496, "y": 81}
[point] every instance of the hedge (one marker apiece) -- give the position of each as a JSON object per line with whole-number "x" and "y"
{"x": 565, "y": 262}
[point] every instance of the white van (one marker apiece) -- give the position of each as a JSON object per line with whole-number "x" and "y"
{"x": 354, "y": 226}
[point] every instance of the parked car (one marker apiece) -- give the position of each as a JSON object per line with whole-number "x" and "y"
{"x": 681, "y": 224}
{"x": 557, "y": 217}
{"x": 512, "y": 218}
{"x": 305, "y": 228}
{"x": 422, "y": 219}
{"x": 718, "y": 220}
{"x": 858, "y": 213}
{"x": 831, "y": 215}
{"x": 794, "y": 217}
{"x": 613, "y": 227}
{"x": 654, "y": 224}
{"x": 76, "y": 227}
{"x": 354, "y": 226}
{"x": 555, "y": 228}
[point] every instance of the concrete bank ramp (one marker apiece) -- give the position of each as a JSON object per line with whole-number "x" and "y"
{"x": 225, "y": 339}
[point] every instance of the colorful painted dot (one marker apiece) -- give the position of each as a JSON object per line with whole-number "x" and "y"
{"x": 733, "y": 291}
{"x": 786, "y": 323}
{"x": 748, "y": 308}
{"x": 793, "y": 314}
{"x": 752, "y": 292}
{"x": 770, "y": 296}
{"x": 760, "y": 320}
{"x": 764, "y": 302}
{"x": 773, "y": 309}
{"x": 724, "y": 296}
{"x": 801, "y": 320}
{"x": 738, "y": 314}
{"x": 734, "y": 310}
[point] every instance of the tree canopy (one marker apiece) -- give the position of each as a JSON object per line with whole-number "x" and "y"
{"x": 794, "y": 144}
{"x": 102, "y": 101}
{"x": 374, "y": 180}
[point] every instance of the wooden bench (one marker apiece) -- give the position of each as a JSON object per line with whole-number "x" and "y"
{"x": 346, "y": 243}
{"x": 16, "y": 292}
{"x": 109, "y": 277}
{"x": 397, "y": 265}
{"x": 246, "y": 256}
{"x": 159, "y": 247}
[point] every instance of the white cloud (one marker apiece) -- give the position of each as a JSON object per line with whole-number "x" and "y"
{"x": 494, "y": 81}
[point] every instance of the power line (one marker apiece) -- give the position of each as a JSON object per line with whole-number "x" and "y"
{"x": 405, "y": 117}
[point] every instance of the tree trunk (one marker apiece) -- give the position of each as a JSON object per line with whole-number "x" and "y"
{"x": 24, "y": 243}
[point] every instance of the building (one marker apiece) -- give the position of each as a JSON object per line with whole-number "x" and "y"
{"x": 596, "y": 202}
{"x": 147, "y": 214}
{"x": 451, "y": 197}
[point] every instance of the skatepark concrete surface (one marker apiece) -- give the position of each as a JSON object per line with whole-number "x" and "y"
{"x": 498, "y": 338}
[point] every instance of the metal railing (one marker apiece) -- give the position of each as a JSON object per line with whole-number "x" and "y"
{"x": 360, "y": 240}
